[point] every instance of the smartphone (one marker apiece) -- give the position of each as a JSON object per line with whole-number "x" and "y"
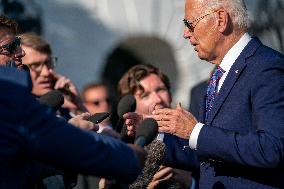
{"x": 98, "y": 117}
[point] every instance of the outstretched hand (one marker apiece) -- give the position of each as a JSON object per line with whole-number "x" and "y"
{"x": 81, "y": 122}
{"x": 176, "y": 121}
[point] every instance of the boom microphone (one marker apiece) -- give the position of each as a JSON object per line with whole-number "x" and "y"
{"x": 53, "y": 99}
{"x": 146, "y": 132}
{"x": 126, "y": 104}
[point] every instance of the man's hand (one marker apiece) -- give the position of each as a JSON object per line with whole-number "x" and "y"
{"x": 81, "y": 122}
{"x": 105, "y": 183}
{"x": 63, "y": 82}
{"x": 177, "y": 121}
{"x": 165, "y": 173}
{"x": 132, "y": 121}
{"x": 72, "y": 101}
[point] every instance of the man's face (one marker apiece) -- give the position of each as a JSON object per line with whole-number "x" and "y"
{"x": 10, "y": 50}
{"x": 97, "y": 100}
{"x": 41, "y": 72}
{"x": 154, "y": 96}
{"x": 203, "y": 36}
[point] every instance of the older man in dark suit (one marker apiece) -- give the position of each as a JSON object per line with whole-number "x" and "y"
{"x": 240, "y": 133}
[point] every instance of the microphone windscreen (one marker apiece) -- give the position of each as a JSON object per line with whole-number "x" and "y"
{"x": 126, "y": 104}
{"x": 53, "y": 99}
{"x": 148, "y": 130}
{"x": 155, "y": 158}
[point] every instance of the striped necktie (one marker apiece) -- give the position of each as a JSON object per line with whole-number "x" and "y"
{"x": 212, "y": 89}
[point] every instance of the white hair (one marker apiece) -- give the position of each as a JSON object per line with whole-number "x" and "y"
{"x": 236, "y": 8}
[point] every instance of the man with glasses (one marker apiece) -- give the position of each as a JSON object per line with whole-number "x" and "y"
{"x": 239, "y": 133}
{"x": 41, "y": 63}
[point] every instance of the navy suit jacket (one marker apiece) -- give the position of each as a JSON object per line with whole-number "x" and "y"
{"x": 242, "y": 143}
{"x": 30, "y": 131}
{"x": 178, "y": 154}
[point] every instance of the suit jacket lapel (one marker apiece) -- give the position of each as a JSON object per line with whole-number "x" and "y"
{"x": 233, "y": 75}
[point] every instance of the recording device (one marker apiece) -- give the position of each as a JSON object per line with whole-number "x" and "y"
{"x": 146, "y": 132}
{"x": 53, "y": 99}
{"x": 98, "y": 117}
{"x": 126, "y": 104}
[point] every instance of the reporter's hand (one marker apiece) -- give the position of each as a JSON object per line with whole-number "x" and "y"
{"x": 72, "y": 100}
{"x": 81, "y": 122}
{"x": 62, "y": 82}
{"x": 105, "y": 184}
{"x": 165, "y": 173}
{"x": 133, "y": 121}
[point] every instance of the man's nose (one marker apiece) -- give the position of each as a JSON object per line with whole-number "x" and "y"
{"x": 186, "y": 33}
{"x": 157, "y": 98}
{"x": 46, "y": 71}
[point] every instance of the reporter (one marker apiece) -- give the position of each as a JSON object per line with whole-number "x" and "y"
{"x": 39, "y": 58}
{"x": 36, "y": 133}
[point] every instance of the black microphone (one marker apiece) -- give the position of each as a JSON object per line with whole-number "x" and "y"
{"x": 146, "y": 132}
{"x": 53, "y": 99}
{"x": 126, "y": 104}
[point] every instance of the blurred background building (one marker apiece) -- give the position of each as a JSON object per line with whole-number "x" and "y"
{"x": 100, "y": 39}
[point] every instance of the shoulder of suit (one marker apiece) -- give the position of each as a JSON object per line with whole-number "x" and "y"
{"x": 12, "y": 76}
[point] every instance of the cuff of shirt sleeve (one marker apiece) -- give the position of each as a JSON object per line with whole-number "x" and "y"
{"x": 194, "y": 136}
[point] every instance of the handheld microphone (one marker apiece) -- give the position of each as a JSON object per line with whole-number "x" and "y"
{"x": 146, "y": 132}
{"x": 53, "y": 99}
{"x": 126, "y": 104}
{"x": 155, "y": 158}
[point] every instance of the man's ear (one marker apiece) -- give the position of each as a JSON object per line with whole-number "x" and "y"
{"x": 223, "y": 20}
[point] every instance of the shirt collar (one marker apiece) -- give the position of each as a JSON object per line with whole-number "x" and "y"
{"x": 234, "y": 52}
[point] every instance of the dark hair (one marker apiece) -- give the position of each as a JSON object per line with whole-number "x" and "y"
{"x": 129, "y": 82}
{"x": 8, "y": 25}
{"x": 36, "y": 42}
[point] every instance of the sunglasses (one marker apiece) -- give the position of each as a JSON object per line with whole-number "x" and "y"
{"x": 190, "y": 25}
{"x": 98, "y": 102}
{"x": 11, "y": 48}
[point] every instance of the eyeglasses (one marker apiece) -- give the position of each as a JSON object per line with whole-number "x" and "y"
{"x": 98, "y": 102}
{"x": 189, "y": 24}
{"x": 10, "y": 48}
{"x": 38, "y": 66}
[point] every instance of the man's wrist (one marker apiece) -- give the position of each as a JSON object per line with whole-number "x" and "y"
{"x": 194, "y": 136}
